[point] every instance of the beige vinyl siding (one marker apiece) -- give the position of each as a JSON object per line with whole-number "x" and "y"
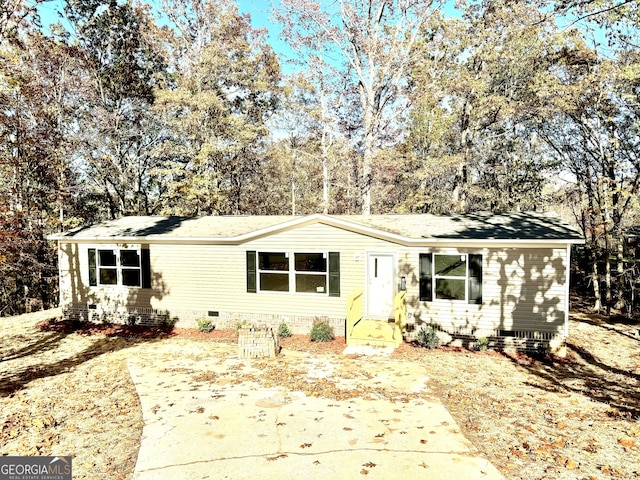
{"x": 196, "y": 279}
{"x": 74, "y": 282}
{"x": 523, "y": 290}
{"x": 214, "y": 277}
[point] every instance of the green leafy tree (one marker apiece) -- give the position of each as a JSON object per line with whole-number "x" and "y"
{"x": 223, "y": 89}
{"x": 32, "y": 162}
{"x": 594, "y": 135}
{"x": 478, "y": 95}
{"x": 118, "y": 132}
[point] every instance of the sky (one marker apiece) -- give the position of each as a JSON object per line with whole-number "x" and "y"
{"x": 258, "y": 9}
{"x": 260, "y": 18}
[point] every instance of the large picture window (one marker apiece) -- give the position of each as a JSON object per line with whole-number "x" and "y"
{"x": 297, "y": 272}
{"x": 451, "y": 277}
{"x": 119, "y": 266}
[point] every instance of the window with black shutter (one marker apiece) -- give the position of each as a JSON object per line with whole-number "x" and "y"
{"x": 455, "y": 277}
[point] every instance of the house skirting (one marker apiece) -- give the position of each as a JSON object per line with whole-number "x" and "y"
{"x": 503, "y": 340}
{"x": 519, "y": 341}
{"x": 189, "y": 318}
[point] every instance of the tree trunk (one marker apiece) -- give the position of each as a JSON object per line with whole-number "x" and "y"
{"x": 620, "y": 287}
{"x": 293, "y": 196}
{"x": 607, "y": 279}
{"x": 595, "y": 279}
{"x": 607, "y": 260}
{"x": 607, "y": 240}
{"x": 367, "y": 161}
{"x": 327, "y": 140}
{"x": 325, "y": 186}
{"x": 592, "y": 223}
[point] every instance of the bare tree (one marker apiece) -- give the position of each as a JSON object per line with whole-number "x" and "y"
{"x": 373, "y": 42}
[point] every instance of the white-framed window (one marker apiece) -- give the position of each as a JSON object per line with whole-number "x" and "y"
{"x": 273, "y": 271}
{"x": 311, "y": 275}
{"x": 450, "y": 277}
{"x": 304, "y": 272}
{"x": 454, "y": 277}
{"x": 115, "y": 266}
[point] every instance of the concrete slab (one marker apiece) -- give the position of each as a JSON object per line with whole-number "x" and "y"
{"x": 353, "y": 349}
{"x": 207, "y": 415}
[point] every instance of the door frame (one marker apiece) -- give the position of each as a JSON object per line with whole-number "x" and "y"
{"x": 393, "y": 276}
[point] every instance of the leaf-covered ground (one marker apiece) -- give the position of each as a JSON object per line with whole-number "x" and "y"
{"x": 68, "y": 392}
{"x": 573, "y": 418}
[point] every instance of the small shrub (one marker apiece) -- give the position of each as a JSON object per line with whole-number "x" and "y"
{"x": 241, "y": 324}
{"x": 164, "y": 320}
{"x": 77, "y": 322}
{"x": 132, "y": 320}
{"x": 482, "y": 344}
{"x": 321, "y": 331}
{"x": 542, "y": 351}
{"x": 107, "y": 318}
{"x": 427, "y": 337}
{"x": 284, "y": 331}
{"x": 204, "y": 325}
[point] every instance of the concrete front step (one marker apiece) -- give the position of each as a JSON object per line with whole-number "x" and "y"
{"x": 375, "y": 333}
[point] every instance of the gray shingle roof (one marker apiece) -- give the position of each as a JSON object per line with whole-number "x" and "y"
{"x": 477, "y": 226}
{"x": 176, "y": 227}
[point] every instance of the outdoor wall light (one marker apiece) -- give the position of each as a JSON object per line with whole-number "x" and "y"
{"x": 403, "y": 283}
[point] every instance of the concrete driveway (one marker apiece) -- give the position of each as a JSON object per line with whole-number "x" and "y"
{"x": 209, "y": 415}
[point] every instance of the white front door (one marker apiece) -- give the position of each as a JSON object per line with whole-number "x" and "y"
{"x": 380, "y": 284}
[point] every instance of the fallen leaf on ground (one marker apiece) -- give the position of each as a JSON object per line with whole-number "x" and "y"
{"x": 571, "y": 465}
{"x": 627, "y": 442}
{"x": 282, "y": 455}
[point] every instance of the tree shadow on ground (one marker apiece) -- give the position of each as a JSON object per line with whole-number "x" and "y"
{"x": 621, "y": 328}
{"x": 48, "y": 342}
{"x": 108, "y": 339}
{"x": 584, "y": 374}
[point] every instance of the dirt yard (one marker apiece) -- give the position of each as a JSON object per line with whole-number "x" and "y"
{"x": 67, "y": 391}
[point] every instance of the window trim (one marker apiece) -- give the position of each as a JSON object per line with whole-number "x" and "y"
{"x": 292, "y": 272}
{"x": 95, "y": 267}
{"x": 260, "y": 271}
{"x": 464, "y": 277}
{"x": 107, "y": 268}
{"x": 428, "y": 279}
{"x": 310, "y": 273}
{"x": 331, "y": 273}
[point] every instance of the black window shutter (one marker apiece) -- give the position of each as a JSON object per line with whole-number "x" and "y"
{"x": 251, "y": 272}
{"x": 145, "y": 263}
{"x": 426, "y": 277}
{"x": 334, "y": 274}
{"x": 93, "y": 278}
{"x": 475, "y": 279}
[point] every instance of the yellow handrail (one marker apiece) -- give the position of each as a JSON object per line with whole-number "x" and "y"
{"x": 400, "y": 309}
{"x": 354, "y": 310}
